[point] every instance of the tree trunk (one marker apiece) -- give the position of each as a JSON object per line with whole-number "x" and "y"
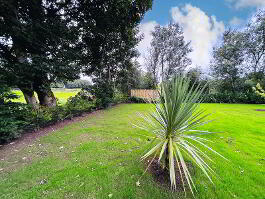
{"x": 30, "y": 97}
{"x": 46, "y": 97}
{"x": 27, "y": 88}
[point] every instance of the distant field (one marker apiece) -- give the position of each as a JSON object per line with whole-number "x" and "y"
{"x": 61, "y": 94}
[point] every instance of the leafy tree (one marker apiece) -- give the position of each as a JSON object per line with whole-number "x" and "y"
{"x": 198, "y": 79}
{"x": 129, "y": 77}
{"x": 49, "y": 41}
{"x": 110, "y": 34}
{"x": 151, "y": 63}
{"x": 254, "y": 43}
{"x": 147, "y": 81}
{"x": 169, "y": 50}
{"x": 109, "y": 37}
{"x": 37, "y": 46}
{"x": 227, "y": 61}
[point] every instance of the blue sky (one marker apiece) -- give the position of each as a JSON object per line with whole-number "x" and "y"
{"x": 203, "y": 23}
{"x": 222, "y": 9}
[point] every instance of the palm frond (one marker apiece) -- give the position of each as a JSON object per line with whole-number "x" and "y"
{"x": 174, "y": 122}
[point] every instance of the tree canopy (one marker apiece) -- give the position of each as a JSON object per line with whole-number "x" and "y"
{"x": 47, "y": 41}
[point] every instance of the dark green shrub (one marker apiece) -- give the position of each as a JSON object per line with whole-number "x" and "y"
{"x": 80, "y": 103}
{"x": 44, "y": 117}
{"x": 12, "y": 121}
{"x": 241, "y": 98}
{"x": 6, "y": 94}
{"x": 119, "y": 97}
{"x": 16, "y": 118}
{"x": 75, "y": 107}
{"x": 103, "y": 92}
{"x": 137, "y": 100}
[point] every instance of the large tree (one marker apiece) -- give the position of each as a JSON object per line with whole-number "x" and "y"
{"x": 151, "y": 63}
{"x": 37, "y": 46}
{"x": 169, "y": 50}
{"x": 47, "y": 41}
{"x": 227, "y": 61}
{"x": 129, "y": 77}
{"x": 254, "y": 43}
{"x": 110, "y": 35}
{"x": 109, "y": 38}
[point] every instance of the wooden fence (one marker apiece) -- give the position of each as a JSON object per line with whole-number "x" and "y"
{"x": 145, "y": 94}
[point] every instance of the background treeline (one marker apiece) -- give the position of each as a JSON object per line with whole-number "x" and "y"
{"x": 237, "y": 65}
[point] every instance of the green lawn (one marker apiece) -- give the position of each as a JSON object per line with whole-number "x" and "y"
{"x": 61, "y": 94}
{"x": 100, "y": 156}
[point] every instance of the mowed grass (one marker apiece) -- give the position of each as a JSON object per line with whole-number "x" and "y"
{"x": 99, "y": 158}
{"x": 60, "y": 93}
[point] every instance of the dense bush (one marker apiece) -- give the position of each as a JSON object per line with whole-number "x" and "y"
{"x": 138, "y": 100}
{"x": 16, "y": 118}
{"x": 119, "y": 97}
{"x": 103, "y": 92}
{"x": 228, "y": 97}
{"x": 81, "y": 102}
{"x": 6, "y": 94}
{"x": 12, "y": 120}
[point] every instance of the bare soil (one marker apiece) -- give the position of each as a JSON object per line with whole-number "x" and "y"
{"x": 162, "y": 176}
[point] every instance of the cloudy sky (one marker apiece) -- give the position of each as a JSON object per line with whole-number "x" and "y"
{"x": 203, "y": 22}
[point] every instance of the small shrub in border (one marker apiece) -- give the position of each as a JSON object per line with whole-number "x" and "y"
{"x": 137, "y": 100}
{"x": 17, "y": 118}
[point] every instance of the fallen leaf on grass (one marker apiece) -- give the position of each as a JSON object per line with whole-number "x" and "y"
{"x": 138, "y": 183}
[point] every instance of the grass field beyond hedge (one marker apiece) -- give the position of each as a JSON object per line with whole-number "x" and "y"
{"x": 99, "y": 158}
{"x": 61, "y": 94}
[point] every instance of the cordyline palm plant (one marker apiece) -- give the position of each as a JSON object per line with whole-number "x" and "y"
{"x": 174, "y": 123}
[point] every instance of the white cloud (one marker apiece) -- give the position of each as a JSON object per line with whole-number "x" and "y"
{"x": 247, "y": 3}
{"x": 202, "y": 30}
{"x": 145, "y": 29}
{"x": 235, "y": 21}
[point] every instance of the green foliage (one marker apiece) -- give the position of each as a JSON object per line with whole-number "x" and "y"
{"x": 78, "y": 84}
{"x": 47, "y": 41}
{"x": 12, "y": 121}
{"x": 103, "y": 92}
{"x": 16, "y": 118}
{"x": 78, "y": 104}
{"x": 136, "y": 100}
{"x": 259, "y": 90}
{"x": 119, "y": 97}
{"x": 232, "y": 98}
{"x": 147, "y": 81}
{"x": 37, "y": 45}
{"x": 6, "y": 94}
{"x": 174, "y": 124}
